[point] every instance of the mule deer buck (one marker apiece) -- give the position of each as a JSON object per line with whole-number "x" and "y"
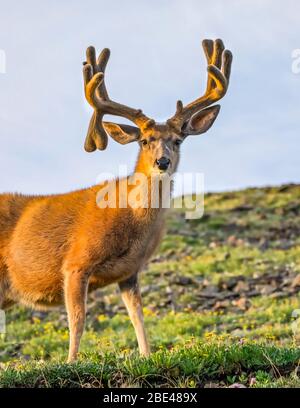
{"x": 56, "y": 248}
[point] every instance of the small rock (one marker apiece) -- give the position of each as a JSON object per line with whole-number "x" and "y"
{"x": 145, "y": 289}
{"x": 242, "y": 303}
{"x": 240, "y": 242}
{"x": 265, "y": 289}
{"x": 241, "y": 286}
{"x": 278, "y": 295}
{"x": 38, "y": 314}
{"x": 183, "y": 280}
{"x": 237, "y": 385}
{"x": 210, "y": 291}
{"x": 211, "y": 385}
{"x": 253, "y": 293}
{"x": 263, "y": 244}
{"x": 230, "y": 283}
{"x": 221, "y": 304}
{"x": 238, "y": 332}
{"x": 231, "y": 240}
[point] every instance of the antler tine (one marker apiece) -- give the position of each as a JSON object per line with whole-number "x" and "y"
{"x": 97, "y": 96}
{"x": 101, "y": 63}
{"x": 96, "y": 136}
{"x": 213, "y": 56}
{"x": 219, "y": 66}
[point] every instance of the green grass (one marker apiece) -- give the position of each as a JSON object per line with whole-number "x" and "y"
{"x": 218, "y": 300}
{"x": 186, "y": 365}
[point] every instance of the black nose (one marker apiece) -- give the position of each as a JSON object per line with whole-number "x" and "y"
{"x": 163, "y": 163}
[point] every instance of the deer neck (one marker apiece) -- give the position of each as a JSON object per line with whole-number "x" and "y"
{"x": 155, "y": 192}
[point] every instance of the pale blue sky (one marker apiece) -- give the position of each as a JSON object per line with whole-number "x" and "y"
{"x": 156, "y": 59}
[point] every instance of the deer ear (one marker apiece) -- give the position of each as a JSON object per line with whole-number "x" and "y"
{"x": 122, "y": 133}
{"x": 201, "y": 121}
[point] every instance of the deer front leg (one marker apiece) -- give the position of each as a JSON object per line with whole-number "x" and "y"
{"x": 76, "y": 284}
{"x": 131, "y": 296}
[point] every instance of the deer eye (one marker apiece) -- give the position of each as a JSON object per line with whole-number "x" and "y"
{"x": 178, "y": 142}
{"x": 144, "y": 142}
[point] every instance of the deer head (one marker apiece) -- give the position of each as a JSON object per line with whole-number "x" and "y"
{"x": 159, "y": 142}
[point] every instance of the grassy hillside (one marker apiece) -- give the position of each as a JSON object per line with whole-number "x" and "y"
{"x": 218, "y": 296}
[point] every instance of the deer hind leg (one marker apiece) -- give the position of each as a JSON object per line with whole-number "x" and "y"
{"x": 76, "y": 284}
{"x": 131, "y": 296}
